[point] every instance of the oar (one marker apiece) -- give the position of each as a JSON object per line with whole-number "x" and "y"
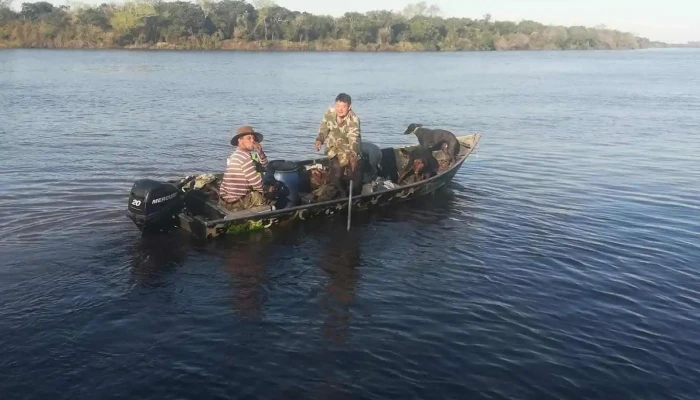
{"x": 349, "y": 204}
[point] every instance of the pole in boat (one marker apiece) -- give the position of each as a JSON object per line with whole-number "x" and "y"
{"x": 349, "y": 204}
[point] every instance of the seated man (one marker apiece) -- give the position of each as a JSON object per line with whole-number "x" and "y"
{"x": 242, "y": 186}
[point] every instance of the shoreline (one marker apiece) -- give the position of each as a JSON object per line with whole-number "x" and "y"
{"x": 305, "y": 47}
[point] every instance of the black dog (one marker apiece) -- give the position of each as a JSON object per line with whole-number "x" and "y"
{"x": 339, "y": 176}
{"x": 436, "y": 139}
{"x": 421, "y": 164}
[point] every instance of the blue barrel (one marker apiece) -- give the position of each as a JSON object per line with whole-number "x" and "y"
{"x": 286, "y": 172}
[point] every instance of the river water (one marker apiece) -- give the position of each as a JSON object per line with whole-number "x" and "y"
{"x": 562, "y": 262}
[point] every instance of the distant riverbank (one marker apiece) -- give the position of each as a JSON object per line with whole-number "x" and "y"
{"x": 237, "y": 25}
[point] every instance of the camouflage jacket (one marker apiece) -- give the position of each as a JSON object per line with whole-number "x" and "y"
{"x": 341, "y": 139}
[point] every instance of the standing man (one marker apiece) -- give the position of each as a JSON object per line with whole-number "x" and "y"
{"x": 242, "y": 185}
{"x": 340, "y": 132}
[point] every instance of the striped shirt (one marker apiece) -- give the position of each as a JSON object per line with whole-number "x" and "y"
{"x": 241, "y": 176}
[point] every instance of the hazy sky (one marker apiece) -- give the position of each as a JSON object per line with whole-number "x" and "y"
{"x": 669, "y": 20}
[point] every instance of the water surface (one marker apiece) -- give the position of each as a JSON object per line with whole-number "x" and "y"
{"x": 561, "y": 263}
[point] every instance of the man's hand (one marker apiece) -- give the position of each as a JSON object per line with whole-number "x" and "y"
{"x": 318, "y": 145}
{"x": 257, "y": 146}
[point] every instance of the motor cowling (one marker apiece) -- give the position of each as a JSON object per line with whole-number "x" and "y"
{"x": 154, "y": 205}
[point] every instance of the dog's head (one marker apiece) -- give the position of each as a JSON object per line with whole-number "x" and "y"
{"x": 411, "y": 128}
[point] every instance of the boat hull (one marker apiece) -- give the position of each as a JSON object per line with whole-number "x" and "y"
{"x": 203, "y": 227}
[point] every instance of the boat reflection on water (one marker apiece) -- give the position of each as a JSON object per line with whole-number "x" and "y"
{"x": 320, "y": 256}
{"x": 255, "y": 263}
{"x": 340, "y": 260}
{"x": 245, "y": 264}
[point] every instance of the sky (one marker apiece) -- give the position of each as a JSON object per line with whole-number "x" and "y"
{"x": 672, "y": 21}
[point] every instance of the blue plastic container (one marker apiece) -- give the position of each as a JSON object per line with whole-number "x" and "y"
{"x": 287, "y": 173}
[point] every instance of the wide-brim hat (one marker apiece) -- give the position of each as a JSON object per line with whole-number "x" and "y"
{"x": 246, "y": 130}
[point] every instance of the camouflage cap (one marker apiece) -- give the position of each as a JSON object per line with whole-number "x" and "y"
{"x": 246, "y": 130}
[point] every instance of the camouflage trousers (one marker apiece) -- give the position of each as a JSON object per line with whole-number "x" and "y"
{"x": 252, "y": 199}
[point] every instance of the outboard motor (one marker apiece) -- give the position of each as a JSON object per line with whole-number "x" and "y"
{"x": 154, "y": 205}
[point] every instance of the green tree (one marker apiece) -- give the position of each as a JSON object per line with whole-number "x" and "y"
{"x": 33, "y": 11}
{"x": 228, "y": 16}
{"x": 92, "y": 16}
{"x": 129, "y": 21}
{"x": 6, "y": 13}
{"x": 181, "y": 19}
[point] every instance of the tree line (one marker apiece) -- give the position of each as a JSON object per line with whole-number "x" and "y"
{"x": 237, "y": 24}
